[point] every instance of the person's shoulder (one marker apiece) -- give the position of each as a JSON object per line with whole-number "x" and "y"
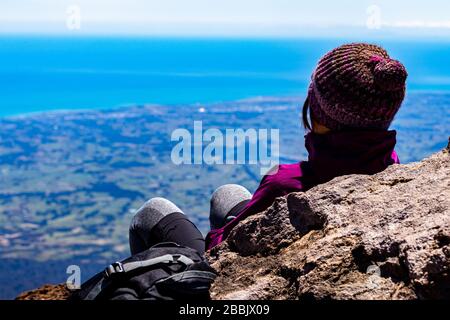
{"x": 284, "y": 175}
{"x": 284, "y": 170}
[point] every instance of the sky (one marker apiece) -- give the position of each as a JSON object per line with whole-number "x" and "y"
{"x": 226, "y": 17}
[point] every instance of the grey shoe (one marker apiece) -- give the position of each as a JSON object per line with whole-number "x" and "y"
{"x": 147, "y": 217}
{"x": 223, "y": 201}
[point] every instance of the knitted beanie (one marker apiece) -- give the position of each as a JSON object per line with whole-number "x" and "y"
{"x": 357, "y": 86}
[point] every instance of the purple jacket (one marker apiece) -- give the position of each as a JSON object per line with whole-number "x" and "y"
{"x": 330, "y": 155}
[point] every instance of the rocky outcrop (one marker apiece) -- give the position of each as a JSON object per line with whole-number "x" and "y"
{"x": 47, "y": 292}
{"x": 385, "y": 236}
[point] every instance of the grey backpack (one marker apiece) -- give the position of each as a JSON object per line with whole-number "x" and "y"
{"x": 166, "y": 271}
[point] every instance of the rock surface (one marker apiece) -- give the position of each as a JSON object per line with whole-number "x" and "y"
{"x": 47, "y": 292}
{"x": 385, "y": 236}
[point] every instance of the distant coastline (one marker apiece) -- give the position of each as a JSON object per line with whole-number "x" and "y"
{"x": 53, "y": 112}
{"x": 253, "y": 99}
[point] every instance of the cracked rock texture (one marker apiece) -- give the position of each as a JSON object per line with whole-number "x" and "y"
{"x": 385, "y": 236}
{"x": 47, "y": 292}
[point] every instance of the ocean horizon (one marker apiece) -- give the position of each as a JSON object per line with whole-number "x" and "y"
{"x": 40, "y": 74}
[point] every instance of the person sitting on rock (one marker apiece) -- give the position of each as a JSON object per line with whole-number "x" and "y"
{"x": 354, "y": 94}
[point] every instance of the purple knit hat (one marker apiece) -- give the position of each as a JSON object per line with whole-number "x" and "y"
{"x": 357, "y": 86}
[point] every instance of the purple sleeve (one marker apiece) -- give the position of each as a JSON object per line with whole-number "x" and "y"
{"x": 394, "y": 157}
{"x": 285, "y": 181}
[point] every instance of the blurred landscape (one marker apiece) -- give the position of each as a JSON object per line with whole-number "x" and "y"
{"x": 70, "y": 181}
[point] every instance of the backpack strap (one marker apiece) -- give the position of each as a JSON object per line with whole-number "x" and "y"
{"x": 99, "y": 286}
{"x": 118, "y": 267}
{"x": 191, "y": 274}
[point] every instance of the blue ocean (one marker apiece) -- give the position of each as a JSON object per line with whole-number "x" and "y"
{"x": 59, "y": 73}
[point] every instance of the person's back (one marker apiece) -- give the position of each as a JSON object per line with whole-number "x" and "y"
{"x": 354, "y": 94}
